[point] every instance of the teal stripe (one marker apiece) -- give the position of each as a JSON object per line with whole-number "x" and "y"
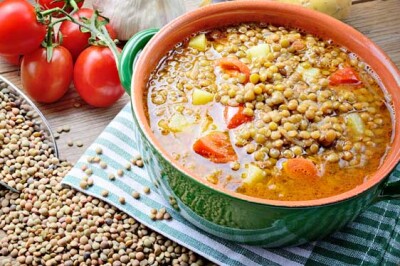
{"x": 100, "y": 173}
{"x": 378, "y": 233}
{"x": 355, "y": 247}
{"x": 329, "y": 257}
{"x": 114, "y": 164}
{"x": 365, "y": 224}
{"x": 288, "y": 255}
{"x": 124, "y": 121}
{"x": 121, "y": 152}
{"x": 360, "y": 237}
{"x": 392, "y": 249}
{"x": 120, "y": 135}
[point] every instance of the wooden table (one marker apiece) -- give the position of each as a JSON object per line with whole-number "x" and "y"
{"x": 379, "y": 20}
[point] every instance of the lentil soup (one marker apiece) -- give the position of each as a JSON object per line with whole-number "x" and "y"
{"x": 270, "y": 112}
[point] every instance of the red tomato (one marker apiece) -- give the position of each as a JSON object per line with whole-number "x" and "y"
{"x": 49, "y": 4}
{"x": 20, "y": 33}
{"x": 234, "y": 116}
{"x": 345, "y": 75}
{"x": 12, "y": 59}
{"x": 96, "y": 77}
{"x": 230, "y": 64}
{"x": 73, "y": 38}
{"x": 44, "y": 81}
{"x": 216, "y": 147}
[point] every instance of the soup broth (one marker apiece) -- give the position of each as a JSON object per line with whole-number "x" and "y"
{"x": 270, "y": 112}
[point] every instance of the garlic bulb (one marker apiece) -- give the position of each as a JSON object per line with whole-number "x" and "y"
{"x": 130, "y": 16}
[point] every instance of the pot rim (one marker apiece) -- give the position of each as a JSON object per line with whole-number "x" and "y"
{"x": 392, "y": 82}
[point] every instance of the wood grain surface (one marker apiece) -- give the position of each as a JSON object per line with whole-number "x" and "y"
{"x": 377, "y": 19}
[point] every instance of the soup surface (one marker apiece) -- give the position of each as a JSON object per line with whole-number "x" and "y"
{"x": 270, "y": 112}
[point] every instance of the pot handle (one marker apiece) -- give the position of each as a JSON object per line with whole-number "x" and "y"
{"x": 391, "y": 188}
{"x": 129, "y": 55}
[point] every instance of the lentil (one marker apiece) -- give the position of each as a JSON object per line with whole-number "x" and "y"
{"x": 292, "y": 109}
{"x": 49, "y": 208}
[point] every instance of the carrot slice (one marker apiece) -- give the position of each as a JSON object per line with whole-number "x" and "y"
{"x": 300, "y": 168}
{"x": 345, "y": 75}
{"x": 230, "y": 64}
{"x": 216, "y": 147}
{"x": 234, "y": 116}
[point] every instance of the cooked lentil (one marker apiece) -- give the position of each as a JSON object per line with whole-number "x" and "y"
{"x": 293, "y": 107}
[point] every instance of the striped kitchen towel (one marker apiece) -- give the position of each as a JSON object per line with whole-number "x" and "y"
{"x": 372, "y": 239}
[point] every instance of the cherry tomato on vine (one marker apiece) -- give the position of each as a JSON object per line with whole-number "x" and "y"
{"x": 96, "y": 77}
{"x": 49, "y": 4}
{"x": 73, "y": 38}
{"x": 44, "y": 81}
{"x": 20, "y": 32}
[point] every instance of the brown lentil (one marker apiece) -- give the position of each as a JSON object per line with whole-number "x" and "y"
{"x": 294, "y": 110}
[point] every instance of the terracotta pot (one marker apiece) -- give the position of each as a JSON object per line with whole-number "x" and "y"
{"x": 235, "y": 216}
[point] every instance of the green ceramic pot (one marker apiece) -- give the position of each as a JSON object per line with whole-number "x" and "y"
{"x": 231, "y": 215}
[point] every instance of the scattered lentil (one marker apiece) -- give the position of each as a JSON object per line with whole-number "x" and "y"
{"x": 146, "y": 190}
{"x": 135, "y": 195}
{"x": 90, "y": 182}
{"x": 111, "y": 176}
{"x": 83, "y": 184}
{"x": 122, "y": 200}
{"x": 89, "y": 171}
{"x": 99, "y": 150}
{"x": 139, "y": 163}
{"x": 79, "y": 143}
{"x": 66, "y": 128}
{"x": 103, "y": 164}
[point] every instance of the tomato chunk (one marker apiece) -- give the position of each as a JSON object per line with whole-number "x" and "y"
{"x": 345, "y": 75}
{"x": 300, "y": 168}
{"x": 234, "y": 116}
{"x": 216, "y": 147}
{"x": 231, "y": 64}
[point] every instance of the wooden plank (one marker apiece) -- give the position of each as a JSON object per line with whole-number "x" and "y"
{"x": 379, "y": 20}
{"x": 6, "y": 67}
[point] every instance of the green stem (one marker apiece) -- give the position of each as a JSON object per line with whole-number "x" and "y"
{"x": 102, "y": 34}
{"x": 74, "y": 6}
{"x": 49, "y": 43}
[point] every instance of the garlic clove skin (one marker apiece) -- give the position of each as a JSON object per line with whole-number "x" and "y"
{"x": 130, "y": 16}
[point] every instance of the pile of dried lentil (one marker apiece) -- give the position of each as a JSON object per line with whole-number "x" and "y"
{"x": 47, "y": 224}
{"x": 25, "y": 149}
